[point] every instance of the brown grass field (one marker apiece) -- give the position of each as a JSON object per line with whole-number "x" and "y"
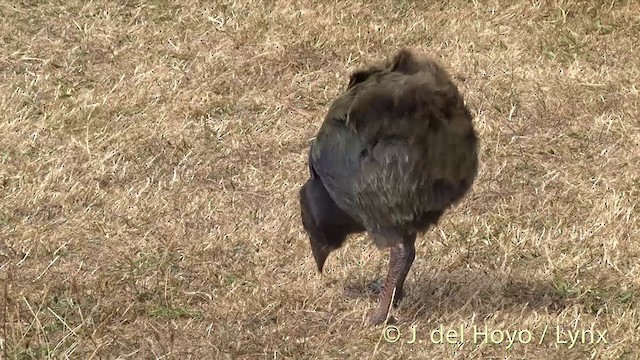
{"x": 151, "y": 154}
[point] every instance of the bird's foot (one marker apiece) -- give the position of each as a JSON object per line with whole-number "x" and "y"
{"x": 371, "y": 290}
{"x": 379, "y": 316}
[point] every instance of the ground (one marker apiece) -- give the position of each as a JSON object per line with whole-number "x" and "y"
{"x": 151, "y": 154}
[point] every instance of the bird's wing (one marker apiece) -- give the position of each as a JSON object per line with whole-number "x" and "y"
{"x": 334, "y": 157}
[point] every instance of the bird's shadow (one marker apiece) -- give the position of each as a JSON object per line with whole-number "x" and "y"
{"x": 467, "y": 291}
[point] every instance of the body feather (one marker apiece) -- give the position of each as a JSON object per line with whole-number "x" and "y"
{"x": 398, "y": 145}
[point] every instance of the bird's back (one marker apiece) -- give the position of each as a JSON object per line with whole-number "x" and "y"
{"x": 397, "y": 145}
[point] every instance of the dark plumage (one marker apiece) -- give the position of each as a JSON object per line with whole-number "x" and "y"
{"x": 394, "y": 152}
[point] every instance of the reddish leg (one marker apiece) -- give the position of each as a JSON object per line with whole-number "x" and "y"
{"x": 401, "y": 259}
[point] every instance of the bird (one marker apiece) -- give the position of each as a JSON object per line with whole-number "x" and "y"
{"x": 396, "y": 149}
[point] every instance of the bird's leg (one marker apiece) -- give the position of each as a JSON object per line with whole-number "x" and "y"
{"x": 409, "y": 256}
{"x": 401, "y": 259}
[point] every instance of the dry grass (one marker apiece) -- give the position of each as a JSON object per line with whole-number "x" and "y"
{"x": 151, "y": 154}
